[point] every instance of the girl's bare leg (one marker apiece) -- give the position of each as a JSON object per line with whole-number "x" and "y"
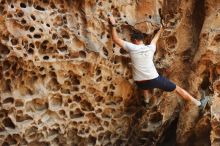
{"x": 185, "y": 95}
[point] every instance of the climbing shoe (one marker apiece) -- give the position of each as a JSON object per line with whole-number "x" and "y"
{"x": 204, "y": 102}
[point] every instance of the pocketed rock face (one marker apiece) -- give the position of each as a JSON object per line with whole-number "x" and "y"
{"x": 54, "y": 90}
{"x": 64, "y": 82}
{"x": 207, "y": 71}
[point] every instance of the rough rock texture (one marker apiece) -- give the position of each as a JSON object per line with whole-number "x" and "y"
{"x": 64, "y": 82}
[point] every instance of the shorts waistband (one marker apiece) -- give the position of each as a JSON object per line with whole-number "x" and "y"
{"x": 142, "y": 81}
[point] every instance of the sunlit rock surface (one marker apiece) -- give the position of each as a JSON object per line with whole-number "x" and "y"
{"x": 64, "y": 82}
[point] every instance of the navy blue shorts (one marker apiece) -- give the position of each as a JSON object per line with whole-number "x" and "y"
{"x": 159, "y": 82}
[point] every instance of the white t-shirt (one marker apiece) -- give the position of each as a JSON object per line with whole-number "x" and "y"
{"x": 142, "y": 61}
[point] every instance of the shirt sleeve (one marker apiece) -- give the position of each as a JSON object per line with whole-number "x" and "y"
{"x": 128, "y": 46}
{"x": 153, "y": 47}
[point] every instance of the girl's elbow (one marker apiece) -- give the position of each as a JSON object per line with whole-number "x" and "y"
{"x": 115, "y": 39}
